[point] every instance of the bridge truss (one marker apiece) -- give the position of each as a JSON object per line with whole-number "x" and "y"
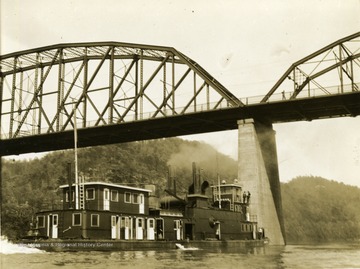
{"x": 334, "y": 69}
{"x": 103, "y": 84}
{"x": 121, "y": 92}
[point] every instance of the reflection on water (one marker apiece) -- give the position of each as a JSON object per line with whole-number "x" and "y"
{"x": 307, "y": 256}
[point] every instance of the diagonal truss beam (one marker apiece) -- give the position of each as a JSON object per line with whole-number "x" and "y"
{"x": 36, "y": 93}
{"x": 351, "y": 57}
{"x": 86, "y": 88}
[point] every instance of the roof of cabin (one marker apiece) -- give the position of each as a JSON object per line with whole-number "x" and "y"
{"x": 227, "y": 185}
{"x": 109, "y": 185}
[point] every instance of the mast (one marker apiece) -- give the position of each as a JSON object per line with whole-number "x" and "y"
{"x": 76, "y": 164}
{"x": 218, "y": 178}
{"x": 219, "y": 191}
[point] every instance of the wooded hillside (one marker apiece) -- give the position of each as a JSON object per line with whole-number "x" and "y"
{"x": 32, "y": 185}
{"x": 315, "y": 209}
{"x": 318, "y": 210}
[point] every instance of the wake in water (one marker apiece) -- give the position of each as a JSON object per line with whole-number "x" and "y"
{"x": 181, "y": 247}
{"x": 7, "y": 247}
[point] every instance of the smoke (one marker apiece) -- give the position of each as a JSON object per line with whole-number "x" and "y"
{"x": 194, "y": 152}
{"x": 207, "y": 158}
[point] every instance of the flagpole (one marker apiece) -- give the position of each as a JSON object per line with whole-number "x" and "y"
{"x": 76, "y": 164}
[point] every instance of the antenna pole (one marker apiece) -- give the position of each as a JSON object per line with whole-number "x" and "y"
{"x": 76, "y": 164}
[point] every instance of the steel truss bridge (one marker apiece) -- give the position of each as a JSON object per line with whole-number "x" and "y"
{"x": 119, "y": 92}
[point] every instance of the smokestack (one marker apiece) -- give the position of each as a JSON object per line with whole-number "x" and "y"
{"x": 195, "y": 178}
{"x": 174, "y": 186}
{"x": 169, "y": 178}
{"x": 199, "y": 180}
{"x": 70, "y": 185}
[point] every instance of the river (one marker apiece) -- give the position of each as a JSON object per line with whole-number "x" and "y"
{"x": 290, "y": 256}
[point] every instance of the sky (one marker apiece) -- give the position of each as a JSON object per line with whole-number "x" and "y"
{"x": 246, "y": 45}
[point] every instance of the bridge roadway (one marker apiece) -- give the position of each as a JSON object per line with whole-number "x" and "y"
{"x": 306, "y": 109}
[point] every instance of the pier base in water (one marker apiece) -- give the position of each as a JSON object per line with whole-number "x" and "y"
{"x": 258, "y": 173}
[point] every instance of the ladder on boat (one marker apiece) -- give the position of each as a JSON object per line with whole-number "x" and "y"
{"x": 81, "y": 193}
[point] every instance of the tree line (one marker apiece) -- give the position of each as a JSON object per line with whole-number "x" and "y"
{"x": 315, "y": 209}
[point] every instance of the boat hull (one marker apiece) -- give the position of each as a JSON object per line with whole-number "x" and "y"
{"x": 125, "y": 245}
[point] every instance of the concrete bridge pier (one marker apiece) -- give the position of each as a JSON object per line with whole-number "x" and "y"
{"x": 259, "y": 174}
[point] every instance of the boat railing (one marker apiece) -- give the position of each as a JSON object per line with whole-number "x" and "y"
{"x": 51, "y": 206}
{"x": 253, "y": 218}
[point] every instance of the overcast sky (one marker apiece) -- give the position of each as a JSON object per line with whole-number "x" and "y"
{"x": 246, "y": 45}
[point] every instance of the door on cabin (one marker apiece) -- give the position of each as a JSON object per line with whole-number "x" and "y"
{"x": 139, "y": 228}
{"x": 178, "y": 229}
{"x": 125, "y": 223}
{"x": 106, "y": 199}
{"x": 141, "y": 204}
{"x": 150, "y": 229}
{"x": 48, "y": 225}
{"x": 160, "y": 235}
{"x": 115, "y": 227}
{"x": 54, "y": 224}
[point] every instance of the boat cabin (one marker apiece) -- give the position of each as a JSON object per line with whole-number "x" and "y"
{"x": 112, "y": 211}
{"x": 109, "y": 211}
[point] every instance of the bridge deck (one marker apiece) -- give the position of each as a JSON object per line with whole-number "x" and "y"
{"x": 306, "y": 109}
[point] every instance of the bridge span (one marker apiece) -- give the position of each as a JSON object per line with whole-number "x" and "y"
{"x": 123, "y": 92}
{"x": 120, "y": 92}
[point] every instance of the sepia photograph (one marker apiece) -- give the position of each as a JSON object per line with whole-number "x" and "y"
{"x": 179, "y": 134}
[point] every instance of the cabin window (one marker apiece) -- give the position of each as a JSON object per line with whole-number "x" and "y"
{"x": 95, "y": 220}
{"x": 40, "y": 221}
{"x": 151, "y": 223}
{"x": 127, "y": 197}
{"x": 135, "y": 198}
{"x": 55, "y": 219}
{"x": 90, "y": 194}
{"x": 114, "y": 196}
{"x": 76, "y": 219}
{"x": 67, "y": 196}
{"x": 140, "y": 222}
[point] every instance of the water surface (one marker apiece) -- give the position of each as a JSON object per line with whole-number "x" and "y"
{"x": 291, "y": 256}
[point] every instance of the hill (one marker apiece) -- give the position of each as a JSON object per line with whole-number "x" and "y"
{"x": 31, "y": 185}
{"x": 320, "y": 210}
{"x": 315, "y": 209}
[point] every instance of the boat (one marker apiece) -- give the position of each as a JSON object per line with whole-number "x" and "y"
{"x": 103, "y": 215}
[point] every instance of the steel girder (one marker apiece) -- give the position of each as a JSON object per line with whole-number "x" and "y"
{"x": 106, "y": 83}
{"x": 333, "y": 69}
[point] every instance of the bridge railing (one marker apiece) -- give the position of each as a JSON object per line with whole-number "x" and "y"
{"x": 309, "y": 93}
{"x": 129, "y": 118}
{"x": 253, "y": 100}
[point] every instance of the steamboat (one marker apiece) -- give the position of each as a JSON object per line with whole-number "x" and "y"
{"x": 101, "y": 215}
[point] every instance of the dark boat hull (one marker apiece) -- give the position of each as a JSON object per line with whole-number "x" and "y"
{"x": 125, "y": 245}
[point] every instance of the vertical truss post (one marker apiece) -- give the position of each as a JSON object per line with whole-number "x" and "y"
{"x": 141, "y": 83}
{"x": 13, "y": 89}
{"x": 341, "y": 71}
{"x": 85, "y": 86}
{"x": 40, "y": 100}
{"x": 1, "y": 98}
{"x": 60, "y": 96}
{"x": 207, "y": 97}
{"x": 173, "y": 85}
{"x": 36, "y": 89}
{"x": 352, "y": 76}
{"x": 111, "y": 86}
{"x": 294, "y": 79}
{"x": 20, "y": 95}
{"x": 136, "y": 88}
{"x": 194, "y": 91}
{"x": 164, "y": 87}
